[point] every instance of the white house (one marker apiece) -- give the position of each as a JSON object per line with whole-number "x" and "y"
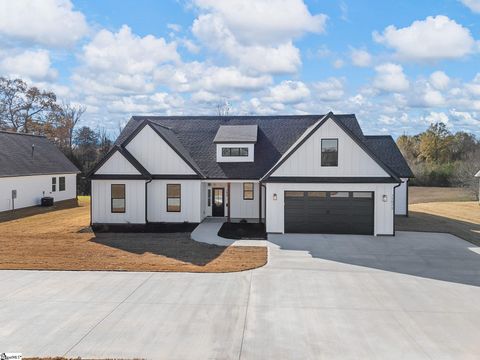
{"x": 315, "y": 173}
{"x": 31, "y": 167}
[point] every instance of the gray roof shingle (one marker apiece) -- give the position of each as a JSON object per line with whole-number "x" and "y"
{"x": 236, "y": 134}
{"x": 16, "y": 156}
{"x": 387, "y": 150}
{"x": 193, "y": 137}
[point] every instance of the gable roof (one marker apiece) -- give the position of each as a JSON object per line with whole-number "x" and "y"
{"x": 16, "y": 158}
{"x": 192, "y": 137}
{"x": 387, "y": 150}
{"x": 128, "y": 156}
{"x": 236, "y": 134}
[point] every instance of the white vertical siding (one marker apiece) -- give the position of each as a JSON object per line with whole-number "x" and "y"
{"x": 383, "y": 218}
{"x": 117, "y": 164}
{"x": 401, "y": 198}
{"x": 243, "y": 209}
{"x": 134, "y": 202}
{"x": 352, "y": 159}
{"x": 249, "y": 158}
{"x": 30, "y": 190}
{"x": 156, "y": 155}
{"x": 190, "y": 201}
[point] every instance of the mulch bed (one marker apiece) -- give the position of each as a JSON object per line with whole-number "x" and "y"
{"x": 238, "y": 231}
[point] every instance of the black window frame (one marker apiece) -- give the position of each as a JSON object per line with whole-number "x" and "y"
{"x": 54, "y": 184}
{"x": 62, "y": 183}
{"x": 252, "y": 191}
{"x": 118, "y": 198}
{"x": 239, "y": 151}
{"x": 174, "y": 197}
{"x": 323, "y": 161}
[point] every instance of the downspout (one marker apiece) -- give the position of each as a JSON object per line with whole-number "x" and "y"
{"x": 264, "y": 186}
{"x": 396, "y": 186}
{"x": 146, "y": 200}
{"x": 406, "y": 183}
{"x": 260, "y": 202}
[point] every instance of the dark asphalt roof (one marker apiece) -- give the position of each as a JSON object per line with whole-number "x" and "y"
{"x": 193, "y": 137}
{"x": 387, "y": 150}
{"x": 16, "y": 156}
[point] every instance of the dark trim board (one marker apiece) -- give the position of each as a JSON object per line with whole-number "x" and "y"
{"x": 151, "y": 227}
{"x": 331, "y": 180}
{"x": 118, "y": 177}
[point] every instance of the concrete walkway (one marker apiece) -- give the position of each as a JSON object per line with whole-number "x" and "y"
{"x": 414, "y": 296}
{"x": 207, "y": 232}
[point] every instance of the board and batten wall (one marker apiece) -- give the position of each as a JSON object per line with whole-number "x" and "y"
{"x": 134, "y": 202}
{"x": 117, "y": 164}
{"x": 383, "y": 212}
{"x": 401, "y": 198}
{"x": 31, "y": 189}
{"x": 352, "y": 159}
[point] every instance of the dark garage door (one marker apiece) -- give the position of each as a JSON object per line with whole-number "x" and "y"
{"x": 329, "y": 212}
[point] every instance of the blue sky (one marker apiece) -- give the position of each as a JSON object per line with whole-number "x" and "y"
{"x": 399, "y": 65}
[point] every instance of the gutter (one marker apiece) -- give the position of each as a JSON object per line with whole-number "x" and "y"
{"x": 146, "y": 200}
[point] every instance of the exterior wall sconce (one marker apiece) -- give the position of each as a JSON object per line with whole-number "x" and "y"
{"x": 274, "y": 196}
{"x": 384, "y": 198}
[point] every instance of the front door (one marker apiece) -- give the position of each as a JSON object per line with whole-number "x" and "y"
{"x": 218, "y": 198}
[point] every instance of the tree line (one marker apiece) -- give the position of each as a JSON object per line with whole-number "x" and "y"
{"x": 28, "y": 109}
{"x": 439, "y": 157}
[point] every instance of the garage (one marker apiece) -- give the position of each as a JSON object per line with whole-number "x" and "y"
{"x": 329, "y": 212}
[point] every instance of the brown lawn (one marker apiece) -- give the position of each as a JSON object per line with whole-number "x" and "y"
{"x": 443, "y": 210}
{"x": 60, "y": 240}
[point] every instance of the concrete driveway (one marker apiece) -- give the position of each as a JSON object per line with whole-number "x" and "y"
{"x": 415, "y": 296}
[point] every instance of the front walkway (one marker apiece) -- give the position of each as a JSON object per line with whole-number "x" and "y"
{"x": 414, "y": 296}
{"x": 207, "y": 232}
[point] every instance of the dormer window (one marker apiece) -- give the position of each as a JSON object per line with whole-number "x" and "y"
{"x": 235, "y": 151}
{"x": 236, "y": 143}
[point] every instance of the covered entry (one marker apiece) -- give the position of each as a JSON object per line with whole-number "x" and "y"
{"x": 329, "y": 212}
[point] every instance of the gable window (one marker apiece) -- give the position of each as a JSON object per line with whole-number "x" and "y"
{"x": 174, "y": 201}
{"x": 61, "y": 183}
{"x": 329, "y": 152}
{"x": 248, "y": 191}
{"x": 54, "y": 184}
{"x": 234, "y": 151}
{"x": 118, "y": 198}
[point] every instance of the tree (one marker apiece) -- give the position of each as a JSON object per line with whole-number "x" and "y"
{"x": 86, "y": 142}
{"x": 435, "y": 143}
{"x": 223, "y": 108}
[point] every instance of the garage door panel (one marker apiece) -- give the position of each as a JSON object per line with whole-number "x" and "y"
{"x": 329, "y": 212}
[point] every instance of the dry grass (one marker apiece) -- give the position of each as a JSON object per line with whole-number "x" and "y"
{"x": 52, "y": 241}
{"x": 424, "y": 194}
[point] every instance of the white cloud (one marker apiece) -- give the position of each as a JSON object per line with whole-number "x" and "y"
{"x": 329, "y": 90}
{"x": 465, "y": 118}
{"x": 390, "y": 78}
{"x": 435, "y": 117}
{"x": 360, "y": 58}
{"x": 439, "y": 80}
{"x": 47, "y": 22}
{"x": 436, "y": 37}
{"x": 433, "y": 98}
{"x": 33, "y": 65}
{"x": 288, "y": 92}
{"x": 174, "y": 27}
{"x": 338, "y": 63}
{"x": 264, "y": 21}
{"x": 474, "y": 86}
{"x": 473, "y": 5}
{"x": 160, "y": 102}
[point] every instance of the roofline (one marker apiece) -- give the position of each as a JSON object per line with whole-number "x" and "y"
{"x": 331, "y": 180}
{"x": 43, "y": 174}
{"x": 24, "y": 134}
{"x": 235, "y": 142}
{"x": 146, "y": 122}
{"x": 332, "y": 116}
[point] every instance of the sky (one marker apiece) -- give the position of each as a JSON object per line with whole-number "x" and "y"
{"x": 398, "y": 65}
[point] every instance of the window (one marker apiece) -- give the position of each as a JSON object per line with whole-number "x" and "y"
{"x": 209, "y": 198}
{"x": 318, "y": 194}
{"x": 54, "y": 184}
{"x": 294, "y": 194}
{"x": 329, "y": 152}
{"x": 339, "y": 194}
{"x": 362, "y": 195}
{"x": 118, "y": 198}
{"x": 61, "y": 183}
{"x": 247, "y": 191}
{"x": 234, "y": 151}
{"x": 174, "y": 192}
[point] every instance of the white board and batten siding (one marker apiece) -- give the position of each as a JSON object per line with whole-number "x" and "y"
{"x": 190, "y": 201}
{"x": 31, "y": 189}
{"x": 156, "y": 155}
{"x": 401, "y": 198}
{"x": 134, "y": 202}
{"x": 353, "y": 161}
{"x": 117, "y": 164}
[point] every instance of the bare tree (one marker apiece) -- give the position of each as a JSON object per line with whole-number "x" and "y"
{"x": 71, "y": 116}
{"x": 223, "y": 108}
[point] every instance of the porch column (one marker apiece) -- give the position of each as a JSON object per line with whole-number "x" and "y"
{"x": 228, "y": 202}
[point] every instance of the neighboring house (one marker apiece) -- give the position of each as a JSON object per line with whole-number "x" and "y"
{"x": 315, "y": 173}
{"x": 478, "y": 176}
{"x": 32, "y": 167}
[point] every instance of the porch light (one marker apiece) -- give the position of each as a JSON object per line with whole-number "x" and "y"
{"x": 384, "y": 198}
{"x": 274, "y": 196}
